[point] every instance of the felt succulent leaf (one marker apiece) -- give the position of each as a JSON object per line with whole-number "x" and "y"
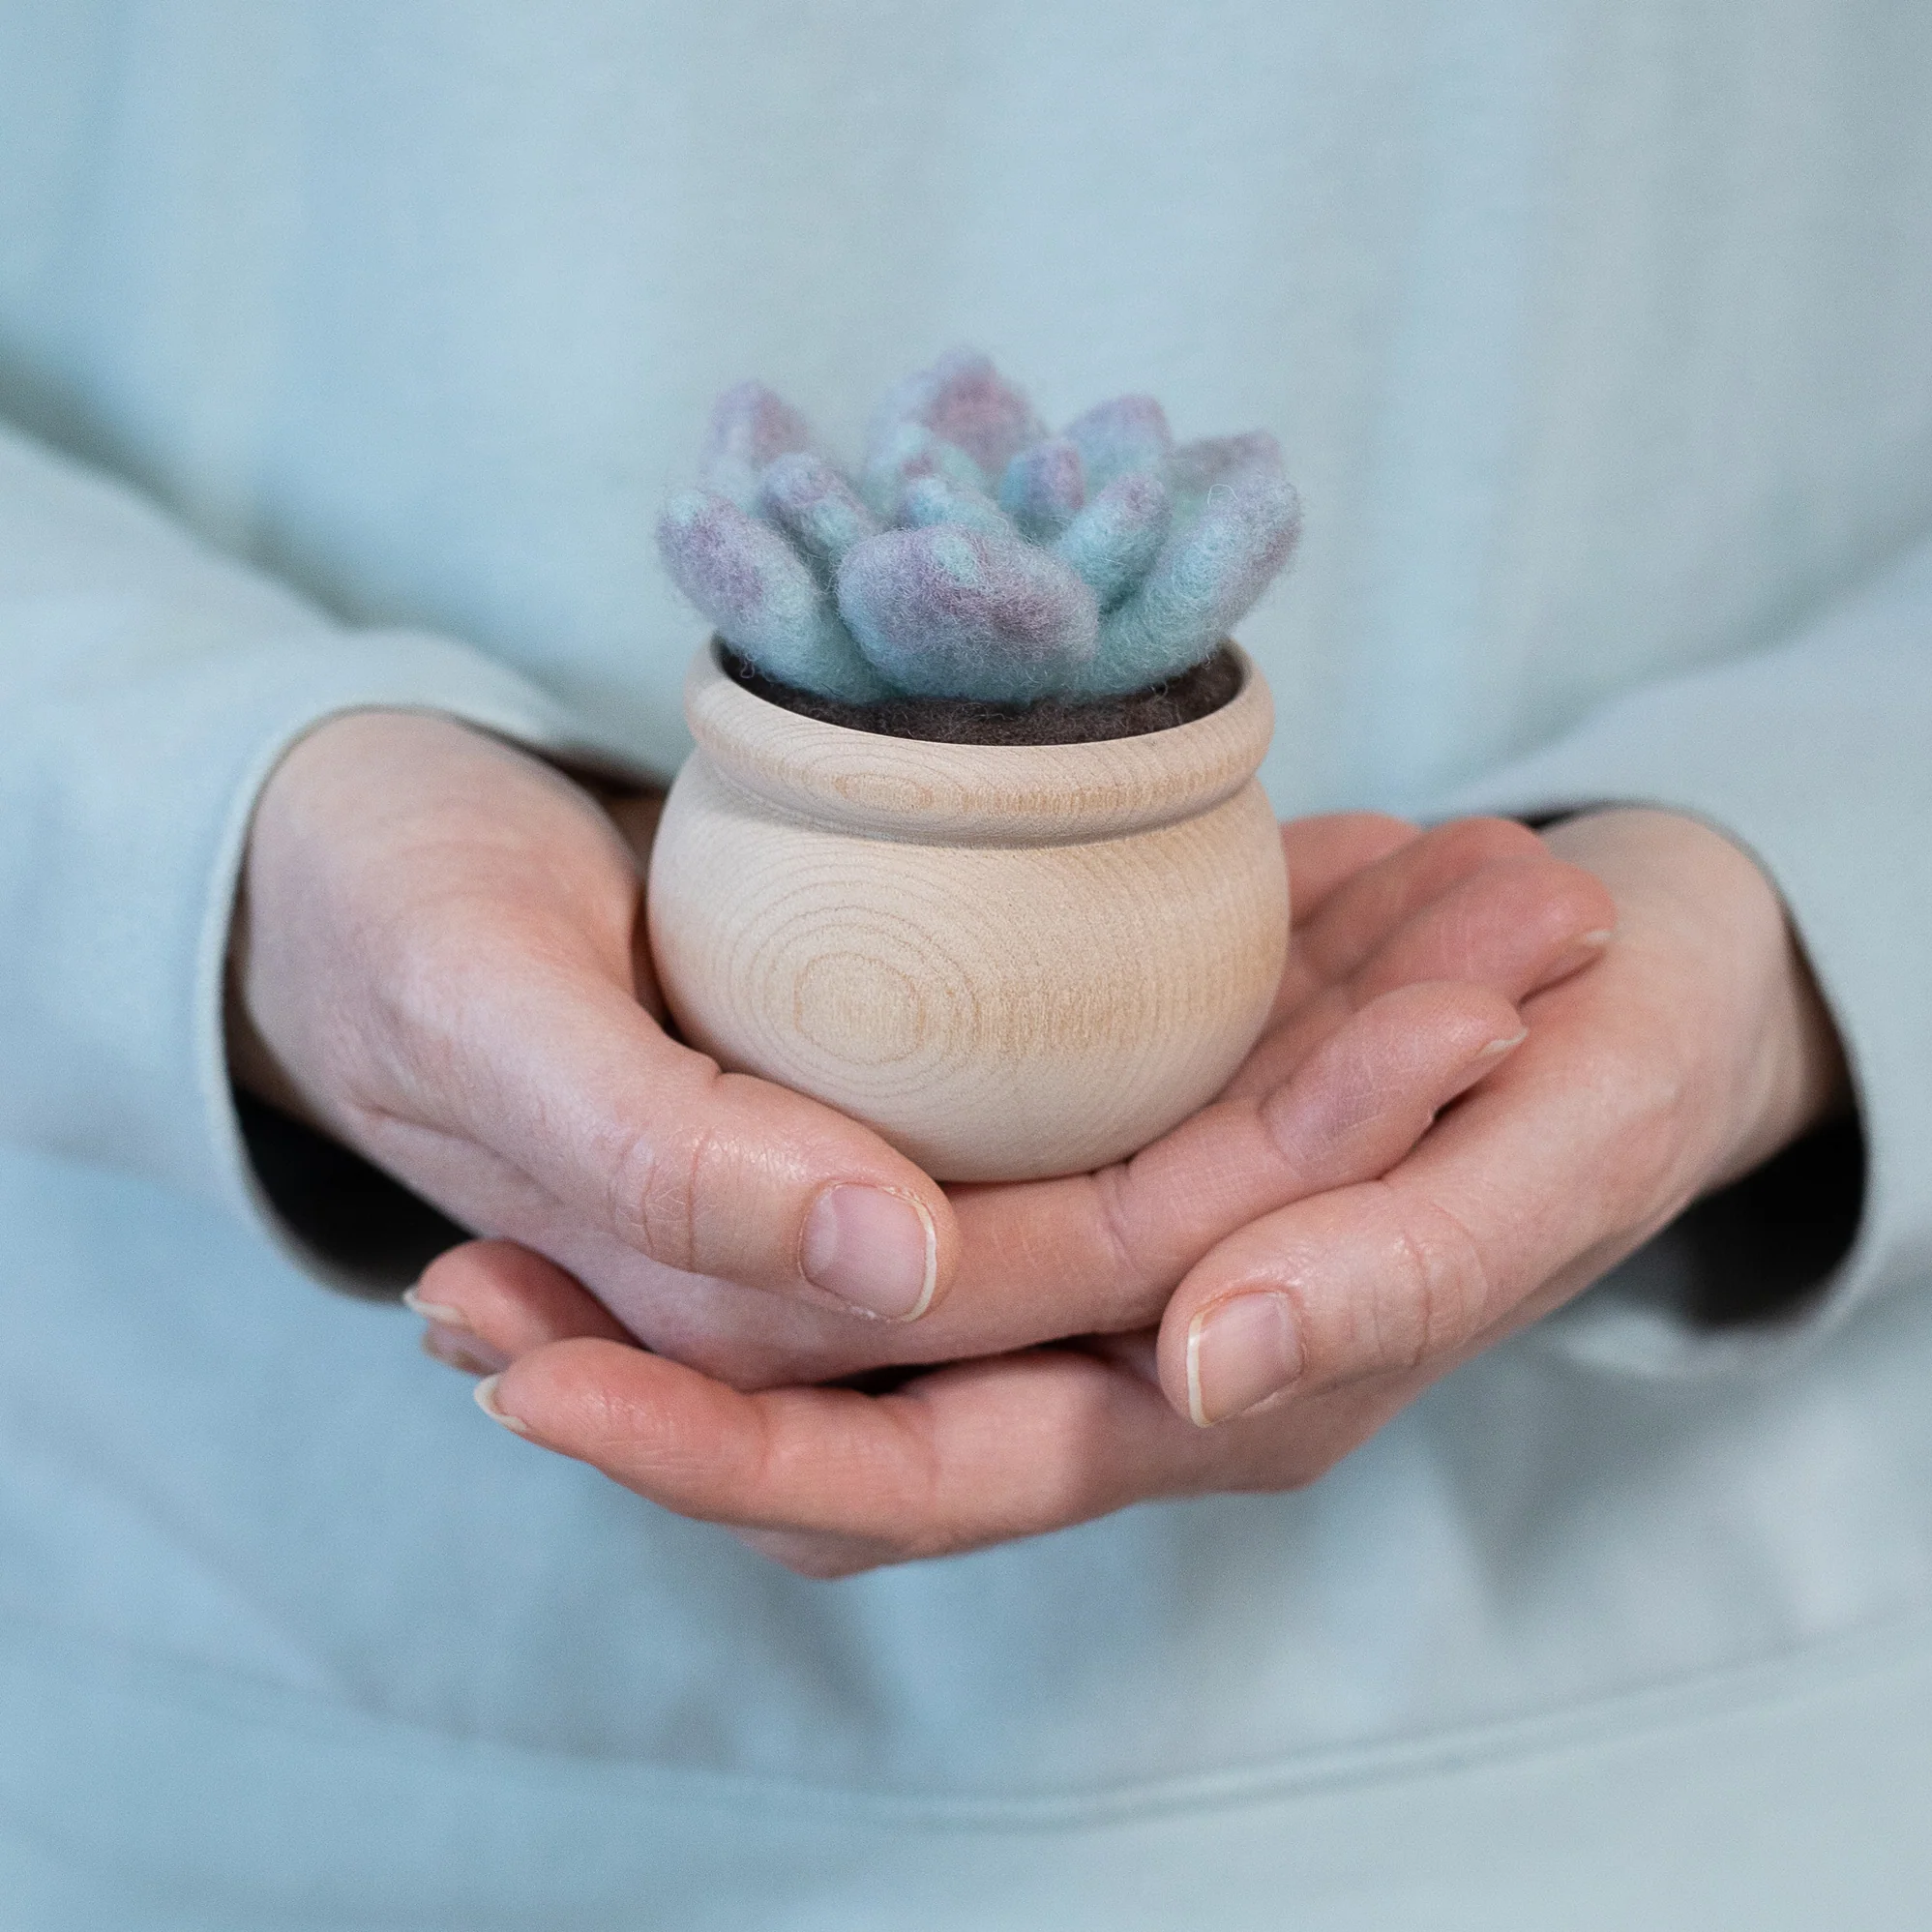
{"x": 1115, "y": 540}
{"x": 936, "y": 499}
{"x": 763, "y": 597}
{"x": 816, "y": 507}
{"x": 955, "y": 612}
{"x": 1129, "y": 433}
{"x": 906, "y": 452}
{"x": 1233, "y": 528}
{"x": 1196, "y": 468}
{"x": 963, "y": 400}
{"x": 1043, "y": 489}
{"x": 750, "y": 426}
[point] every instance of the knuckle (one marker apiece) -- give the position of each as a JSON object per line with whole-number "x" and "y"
{"x": 657, "y": 1194}
{"x": 1304, "y": 1121}
{"x": 1438, "y": 1292}
{"x": 418, "y": 1012}
{"x": 1118, "y": 1258}
{"x": 430, "y": 976}
{"x": 1638, "y": 1084}
{"x": 1642, "y": 1101}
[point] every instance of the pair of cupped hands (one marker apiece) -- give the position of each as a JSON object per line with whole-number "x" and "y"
{"x": 1498, "y": 1062}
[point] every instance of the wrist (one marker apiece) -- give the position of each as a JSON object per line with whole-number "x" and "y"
{"x": 1745, "y": 1000}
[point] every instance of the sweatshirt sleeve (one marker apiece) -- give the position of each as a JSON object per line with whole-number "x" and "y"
{"x": 1816, "y": 756}
{"x": 147, "y": 689}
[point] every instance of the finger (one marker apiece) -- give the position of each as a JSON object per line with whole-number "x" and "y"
{"x": 565, "y": 1077}
{"x": 490, "y": 1302}
{"x": 457, "y": 1349}
{"x": 1359, "y": 914}
{"x": 1517, "y": 926}
{"x": 1103, "y": 1252}
{"x": 966, "y": 1456}
{"x": 1528, "y": 1190}
{"x": 1324, "y": 852}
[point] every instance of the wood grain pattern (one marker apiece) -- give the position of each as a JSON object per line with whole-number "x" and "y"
{"x": 1013, "y": 960}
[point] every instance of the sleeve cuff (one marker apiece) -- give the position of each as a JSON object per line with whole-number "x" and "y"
{"x": 338, "y": 1219}
{"x": 144, "y": 790}
{"x": 148, "y": 687}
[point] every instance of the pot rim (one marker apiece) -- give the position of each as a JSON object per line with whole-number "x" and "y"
{"x": 919, "y": 791}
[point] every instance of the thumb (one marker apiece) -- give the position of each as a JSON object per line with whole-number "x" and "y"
{"x": 566, "y": 1078}
{"x": 1387, "y": 1276}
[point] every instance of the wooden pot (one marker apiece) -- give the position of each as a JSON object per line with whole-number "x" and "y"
{"x": 1011, "y": 961}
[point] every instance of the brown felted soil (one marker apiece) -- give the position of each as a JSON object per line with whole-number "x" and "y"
{"x": 1052, "y": 721}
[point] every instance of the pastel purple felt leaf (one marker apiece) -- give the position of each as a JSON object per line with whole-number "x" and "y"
{"x": 1043, "y": 487}
{"x": 816, "y": 507}
{"x": 1129, "y": 433}
{"x": 1115, "y": 540}
{"x": 1195, "y": 468}
{"x": 1109, "y": 559}
{"x": 763, "y": 597}
{"x": 953, "y": 612}
{"x": 1235, "y": 528}
{"x": 964, "y": 402}
{"x": 750, "y": 426}
{"x": 906, "y": 453}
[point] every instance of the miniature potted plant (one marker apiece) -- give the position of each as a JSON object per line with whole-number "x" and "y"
{"x": 972, "y": 846}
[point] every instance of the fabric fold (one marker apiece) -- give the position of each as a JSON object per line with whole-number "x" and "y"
{"x": 148, "y": 687}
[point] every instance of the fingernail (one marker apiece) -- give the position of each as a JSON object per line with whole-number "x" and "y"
{"x": 1239, "y": 1352}
{"x": 1588, "y": 946}
{"x": 876, "y": 1249}
{"x": 485, "y": 1400}
{"x": 439, "y": 1312}
{"x": 458, "y": 1350}
{"x": 1477, "y": 1068}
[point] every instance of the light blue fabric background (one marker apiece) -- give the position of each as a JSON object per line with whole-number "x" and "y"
{"x": 1597, "y": 338}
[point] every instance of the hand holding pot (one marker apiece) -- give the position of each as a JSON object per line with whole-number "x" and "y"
{"x": 438, "y": 958}
{"x": 1398, "y": 993}
{"x": 1690, "y": 1050}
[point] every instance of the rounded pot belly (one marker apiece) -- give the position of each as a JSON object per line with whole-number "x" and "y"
{"x": 998, "y": 1012}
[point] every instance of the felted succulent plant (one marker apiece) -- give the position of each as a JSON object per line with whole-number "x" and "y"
{"x": 975, "y": 555}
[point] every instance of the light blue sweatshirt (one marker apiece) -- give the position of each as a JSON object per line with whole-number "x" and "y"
{"x": 1599, "y": 338}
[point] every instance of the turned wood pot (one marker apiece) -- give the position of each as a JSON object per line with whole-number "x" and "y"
{"x": 1013, "y": 960}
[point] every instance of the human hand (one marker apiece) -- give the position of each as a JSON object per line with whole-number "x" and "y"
{"x": 1406, "y": 951}
{"x": 1691, "y": 1051}
{"x": 437, "y": 957}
